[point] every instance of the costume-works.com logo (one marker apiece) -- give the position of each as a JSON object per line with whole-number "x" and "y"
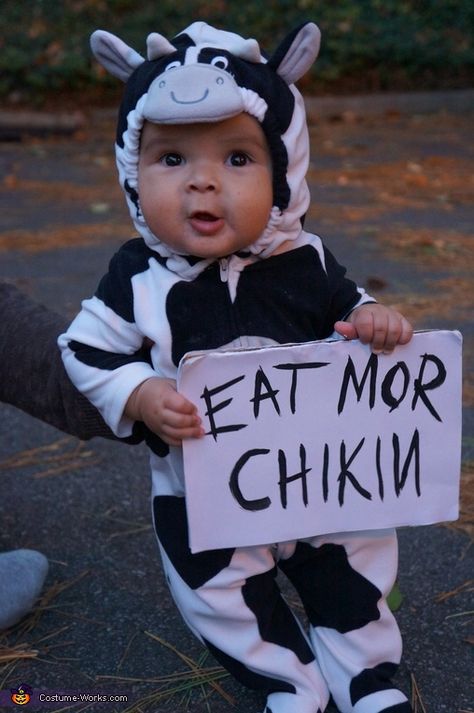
{"x": 21, "y": 696}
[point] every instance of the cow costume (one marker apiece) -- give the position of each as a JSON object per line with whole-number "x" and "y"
{"x": 180, "y": 303}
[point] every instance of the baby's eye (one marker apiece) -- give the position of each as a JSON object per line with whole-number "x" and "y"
{"x": 238, "y": 158}
{"x": 172, "y": 159}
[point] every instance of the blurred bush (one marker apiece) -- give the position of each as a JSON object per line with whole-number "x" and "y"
{"x": 367, "y": 44}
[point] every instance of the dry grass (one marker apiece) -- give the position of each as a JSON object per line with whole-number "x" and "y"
{"x": 416, "y": 700}
{"x": 62, "y": 456}
{"x": 446, "y": 305}
{"x": 21, "y": 642}
{"x": 465, "y": 523}
{"x": 63, "y": 236}
{"x": 445, "y": 180}
{"x": 45, "y": 191}
{"x": 127, "y": 527}
{"x": 467, "y": 586}
{"x": 330, "y": 214}
{"x": 45, "y": 603}
{"x": 17, "y": 652}
{"x": 429, "y": 247}
{"x": 179, "y": 685}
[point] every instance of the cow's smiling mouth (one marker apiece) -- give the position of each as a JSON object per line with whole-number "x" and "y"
{"x": 192, "y": 101}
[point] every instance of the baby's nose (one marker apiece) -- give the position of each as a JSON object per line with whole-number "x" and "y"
{"x": 203, "y": 178}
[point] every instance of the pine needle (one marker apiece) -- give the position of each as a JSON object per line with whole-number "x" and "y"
{"x": 133, "y": 531}
{"x": 465, "y": 586}
{"x": 16, "y": 653}
{"x": 416, "y": 701}
{"x": 461, "y": 613}
{"x": 16, "y": 644}
{"x": 7, "y": 671}
{"x": 44, "y": 604}
{"x": 193, "y": 666}
{"x": 127, "y": 649}
{"x": 64, "y": 455}
{"x": 179, "y": 683}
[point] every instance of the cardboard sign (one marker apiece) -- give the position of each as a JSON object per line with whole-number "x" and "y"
{"x": 322, "y": 437}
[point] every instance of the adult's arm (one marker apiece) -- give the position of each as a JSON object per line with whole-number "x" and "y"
{"x": 32, "y": 375}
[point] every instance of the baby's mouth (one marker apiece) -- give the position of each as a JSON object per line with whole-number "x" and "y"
{"x": 206, "y": 223}
{"x": 204, "y": 215}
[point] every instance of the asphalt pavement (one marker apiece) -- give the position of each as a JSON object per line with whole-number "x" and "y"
{"x": 378, "y": 180}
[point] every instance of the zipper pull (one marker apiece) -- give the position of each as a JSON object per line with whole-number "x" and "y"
{"x": 224, "y": 268}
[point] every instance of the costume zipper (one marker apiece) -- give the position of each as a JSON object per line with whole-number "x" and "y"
{"x": 224, "y": 268}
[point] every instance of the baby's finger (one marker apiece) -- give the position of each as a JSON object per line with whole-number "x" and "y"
{"x": 394, "y": 330}
{"x": 345, "y": 329}
{"x": 175, "y": 405}
{"x": 179, "y": 403}
{"x": 180, "y": 420}
{"x": 174, "y": 436}
{"x": 406, "y": 333}
{"x": 364, "y": 326}
{"x": 379, "y": 332}
{"x": 400, "y": 332}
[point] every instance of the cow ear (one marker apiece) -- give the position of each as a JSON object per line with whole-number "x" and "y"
{"x": 117, "y": 57}
{"x": 297, "y": 52}
{"x": 158, "y": 46}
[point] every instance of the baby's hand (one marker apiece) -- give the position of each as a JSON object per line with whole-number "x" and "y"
{"x": 380, "y": 326}
{"x": 166, "y": 412}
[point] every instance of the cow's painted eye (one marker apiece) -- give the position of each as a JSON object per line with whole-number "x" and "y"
{"x": 220, "y": 62}
{"x": 173, "y": 65}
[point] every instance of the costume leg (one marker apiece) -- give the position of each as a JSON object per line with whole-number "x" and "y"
{"x": 230, "y": 600}
{"x": 343, "y": 581}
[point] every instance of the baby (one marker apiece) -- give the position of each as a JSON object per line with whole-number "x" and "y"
{"x": 212, "y": 150}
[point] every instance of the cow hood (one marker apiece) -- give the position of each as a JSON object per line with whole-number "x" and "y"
{"x": 206, "y": 75}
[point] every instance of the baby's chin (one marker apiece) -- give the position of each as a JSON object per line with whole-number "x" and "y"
{"x": 215, "y": 246}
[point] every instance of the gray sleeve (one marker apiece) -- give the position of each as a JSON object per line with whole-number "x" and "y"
{"x": 32, "y": 375}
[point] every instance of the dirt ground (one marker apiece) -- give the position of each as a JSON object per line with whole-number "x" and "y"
{"x": 393, "y": 196}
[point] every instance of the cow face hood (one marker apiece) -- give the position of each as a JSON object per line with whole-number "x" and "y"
{"x": 208, "y": 75}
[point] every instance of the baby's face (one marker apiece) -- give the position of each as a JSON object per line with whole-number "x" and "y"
{"x": 206, "y": 189}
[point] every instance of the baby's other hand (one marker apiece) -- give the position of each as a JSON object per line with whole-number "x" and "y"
{"x": 375, "y": 324}
{"x": 165, "y": 411}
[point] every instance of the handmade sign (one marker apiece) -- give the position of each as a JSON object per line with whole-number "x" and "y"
{"x": 322, "y": 437}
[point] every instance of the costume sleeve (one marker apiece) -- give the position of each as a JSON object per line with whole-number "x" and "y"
{"x": 345, "y": 295}
{"x": 103, "y": 349}
{"x": 33, "y": 378}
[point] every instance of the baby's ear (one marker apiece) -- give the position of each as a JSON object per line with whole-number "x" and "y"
{"x": 117, "y": 57}
{"x": 295, "y": 55}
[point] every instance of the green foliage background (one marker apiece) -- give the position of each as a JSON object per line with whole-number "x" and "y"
{"x": 367, "y": 44}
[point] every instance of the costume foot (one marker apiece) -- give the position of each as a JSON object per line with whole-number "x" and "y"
{"x": 282, "y": 705}
{"x": 22, "y": 575}
{"x": 401, "y": 707}
{"x": 269, "y": 710}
